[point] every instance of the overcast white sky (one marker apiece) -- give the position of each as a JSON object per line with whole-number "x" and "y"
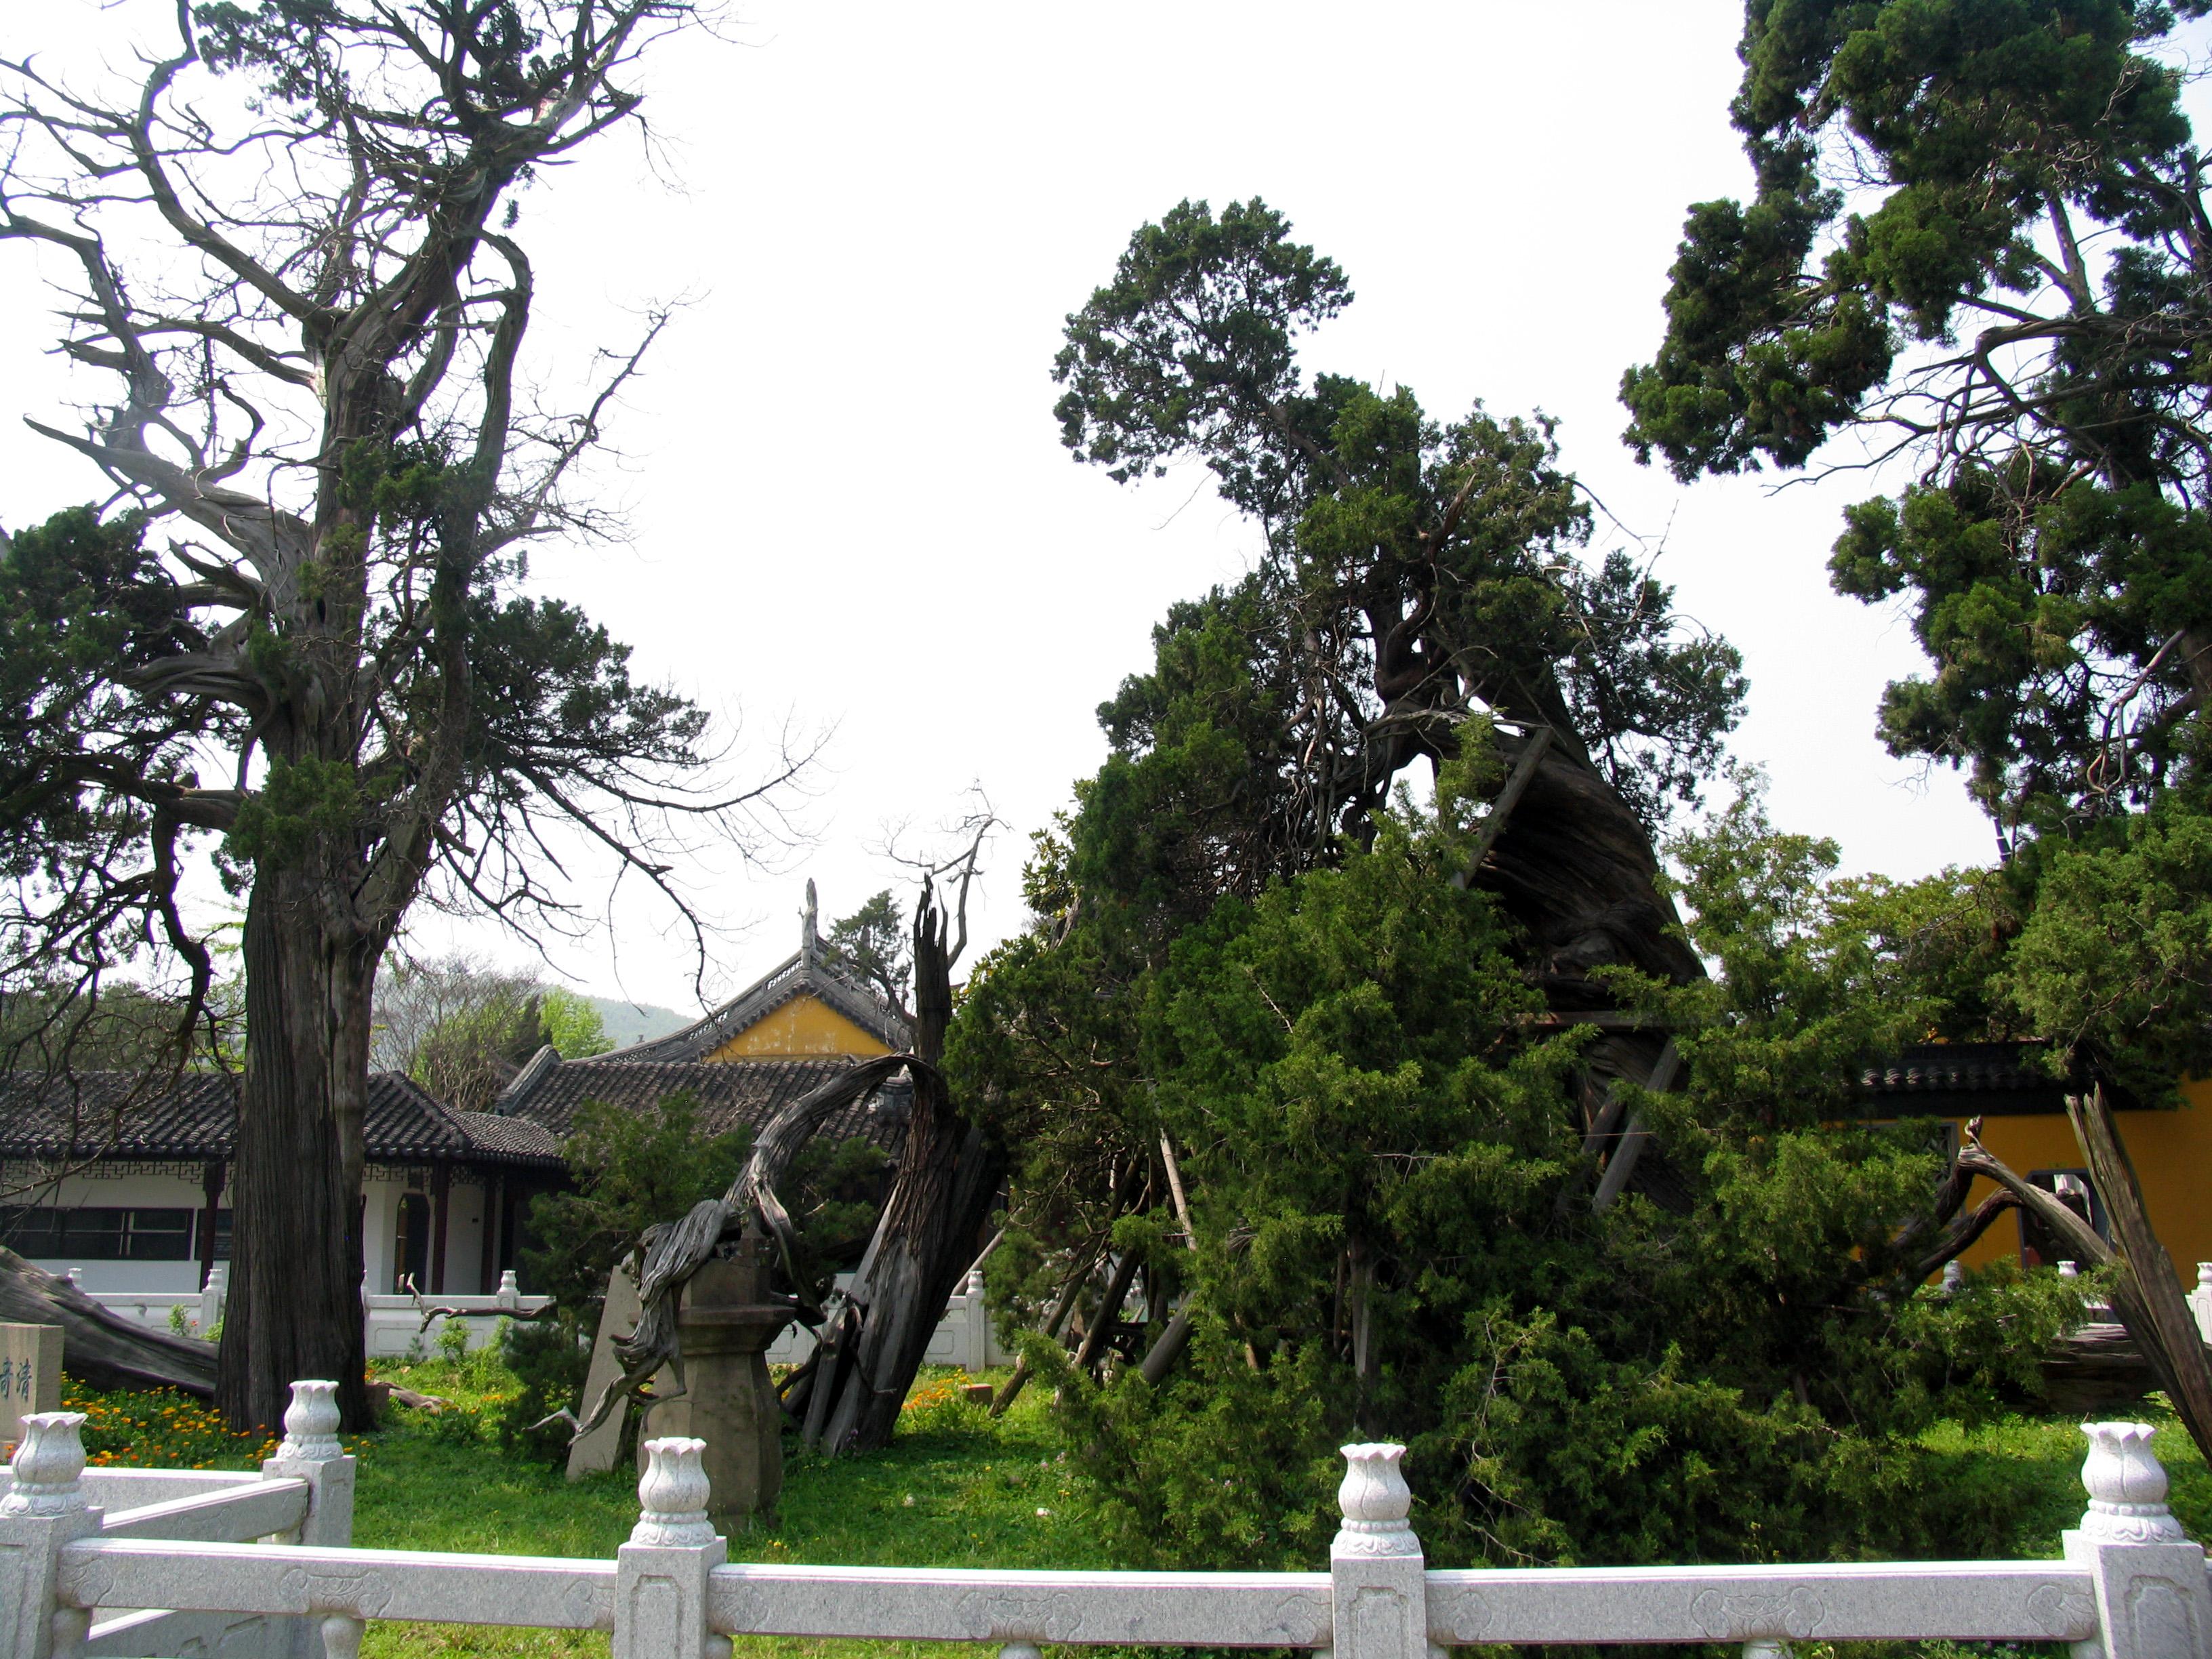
{"x": 849, "y": 497}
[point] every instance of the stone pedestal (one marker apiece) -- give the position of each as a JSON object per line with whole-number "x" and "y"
{"x": 727, "y": 1323}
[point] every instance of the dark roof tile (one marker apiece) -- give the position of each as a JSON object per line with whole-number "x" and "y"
{"x": 116, "y": 1115}
{"x": 730, "y": 1093}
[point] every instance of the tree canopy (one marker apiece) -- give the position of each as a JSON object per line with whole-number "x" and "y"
{"x": 1978, "y": 241}
{"x": 1328, "y": 1107}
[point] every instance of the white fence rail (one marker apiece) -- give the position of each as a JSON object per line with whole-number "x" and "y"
{"x": 393, "y": 1325}
{"x": 390, "y": 1325}
{"x": 172, "y": 1572}
{"x": 963, "y": 1337}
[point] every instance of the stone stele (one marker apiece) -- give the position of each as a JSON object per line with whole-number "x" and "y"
{"x": 30, "y": 1375}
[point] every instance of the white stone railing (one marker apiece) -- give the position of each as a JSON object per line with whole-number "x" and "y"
{"x": 393, "y": 1325}
{"x": 963, "y": 1336}
{"x": 2129, "y": 1586}
{"x": 303, "y": 1499}
{"x": 390, "y": 1325}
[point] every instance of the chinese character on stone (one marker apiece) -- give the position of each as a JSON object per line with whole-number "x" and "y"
{"x": 30, "y": 1374}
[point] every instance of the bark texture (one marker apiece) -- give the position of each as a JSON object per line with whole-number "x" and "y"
{"x": 1572, "y": 864}
{"x": 294, "y": 1314}
{"x": 948, "y": 1176}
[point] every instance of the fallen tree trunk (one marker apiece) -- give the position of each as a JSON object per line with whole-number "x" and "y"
{"x": 2149, "y": 1298}
{"x": 2095, "y": 1369}
{"x": 99, "y": 1349}
{"x": 1571, "y": 863}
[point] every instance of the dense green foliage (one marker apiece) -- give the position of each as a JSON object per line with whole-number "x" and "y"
{"x": 1301, "y": 1057}
{"x": 1976, "y": 241}
{"x": 1387, "y": 1191}
{"x": 1976, "y": 244}
{"x": 1412, "y": 572}
{"x": 632, "y": 1170}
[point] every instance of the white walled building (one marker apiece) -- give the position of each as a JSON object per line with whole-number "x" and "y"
{"x": 131, "y": 1193}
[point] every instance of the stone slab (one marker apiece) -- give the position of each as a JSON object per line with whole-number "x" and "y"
{"x": 30, "y": 1375}
{"x": 597, "y": 1451}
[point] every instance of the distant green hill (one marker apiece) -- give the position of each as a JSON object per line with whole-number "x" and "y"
{"x": 634, "y": 1022}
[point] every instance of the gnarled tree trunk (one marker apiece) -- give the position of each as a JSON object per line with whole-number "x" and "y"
{"x": 294, "y": 1314}
{"x": 948, "y": 1176}
{"x": 1574, "y": 866}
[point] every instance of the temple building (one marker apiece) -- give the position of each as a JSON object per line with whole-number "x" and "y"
{"x": 796, "y": 1025}
{"x": 131, "y": 1191}
{"x": 2024, "y": 1124}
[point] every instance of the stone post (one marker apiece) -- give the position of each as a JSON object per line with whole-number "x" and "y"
{"x": 509, "y": 1293}
{"x": 727, "y": 1323}
{"x": 45, "y": 1509}
{"x": 975, "y": 1325}
{"x": 310, "y": 1451}
{"x": 661, "y": 1575}
{"x": 2151, "y": 1599}
{"x": 212, "y": 1296}
{"x": 2200, "y": 1300}
{"x": 30, "y": 1375}
{"x": 1379, "y": 1605}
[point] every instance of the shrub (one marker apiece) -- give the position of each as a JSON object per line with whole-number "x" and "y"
{"x": 546, "y": 1361}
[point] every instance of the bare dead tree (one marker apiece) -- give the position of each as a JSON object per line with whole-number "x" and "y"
{"x": 873, "y": 1340}
{"x": 291, "y": 250}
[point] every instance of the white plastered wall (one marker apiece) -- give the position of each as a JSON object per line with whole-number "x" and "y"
{"x": 467, "y": 1207}
{"x": 126, "y": 1186}
{"x": 168, "y": 1186}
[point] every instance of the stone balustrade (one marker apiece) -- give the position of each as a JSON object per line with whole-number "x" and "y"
{"x": 393, "y": 1325}
{"x": 2129, "y": 1585}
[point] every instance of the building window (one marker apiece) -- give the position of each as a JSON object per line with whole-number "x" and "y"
{"x": 98, "y": 1235}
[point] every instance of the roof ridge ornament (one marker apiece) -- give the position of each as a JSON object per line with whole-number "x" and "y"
{"x": 809, "y": 934}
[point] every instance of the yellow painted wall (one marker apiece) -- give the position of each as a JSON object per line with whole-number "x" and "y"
{"x": 2173, "y": 1155}
{"x": 804, "y": 1026}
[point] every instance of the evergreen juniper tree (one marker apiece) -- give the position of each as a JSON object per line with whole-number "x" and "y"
{"x": 300, "y": 635}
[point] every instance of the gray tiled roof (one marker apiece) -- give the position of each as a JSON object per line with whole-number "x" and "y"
{"x": 116, "y": 1115}
{"x": 509, "y": 1134}
{"x": 729, "y": 1093}
{"x": 1961, "y": 1080}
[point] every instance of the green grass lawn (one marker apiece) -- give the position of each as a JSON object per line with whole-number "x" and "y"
{"x": 954, "y": 1489}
